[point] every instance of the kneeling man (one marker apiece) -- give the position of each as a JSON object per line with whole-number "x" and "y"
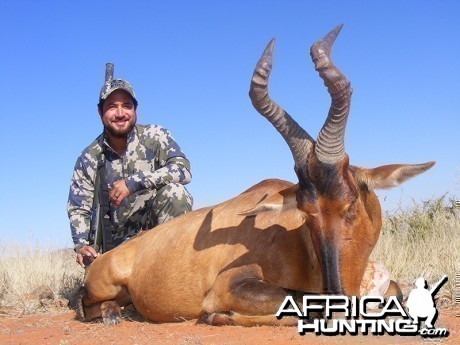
{"x": 129, "y": 179}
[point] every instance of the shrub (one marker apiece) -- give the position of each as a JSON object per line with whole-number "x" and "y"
{"x": 421, "y": 240}
{"x": 25, "y": 267}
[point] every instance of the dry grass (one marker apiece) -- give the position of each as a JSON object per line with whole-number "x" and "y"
{"x": 422, "y": 240}
{"x": 23, "y": 268}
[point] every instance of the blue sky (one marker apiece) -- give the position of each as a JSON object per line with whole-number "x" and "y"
{"x": 190, "y": 63}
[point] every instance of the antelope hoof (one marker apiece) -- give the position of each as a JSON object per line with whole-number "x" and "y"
{"x": 111, "y": 313}
{"x": 217, "y": 319}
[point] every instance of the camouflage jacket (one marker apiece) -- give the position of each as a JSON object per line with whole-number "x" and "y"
{"x": 152, "y": 159}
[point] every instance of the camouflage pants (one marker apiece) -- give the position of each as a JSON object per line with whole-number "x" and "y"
{"x": 148, "y": 208}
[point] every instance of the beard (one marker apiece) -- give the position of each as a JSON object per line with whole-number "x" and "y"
{"x": 120, "y": 132}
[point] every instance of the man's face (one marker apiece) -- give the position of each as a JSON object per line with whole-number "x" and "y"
{"x": 118, "y": 114}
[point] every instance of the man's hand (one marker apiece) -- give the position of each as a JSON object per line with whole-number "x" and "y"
{"x": 87, "y": 254}
{"x": 118, "y": 192}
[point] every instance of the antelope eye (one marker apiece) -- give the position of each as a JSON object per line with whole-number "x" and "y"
{"x": 349, "y": 210}
{"x": 345, "y": 209}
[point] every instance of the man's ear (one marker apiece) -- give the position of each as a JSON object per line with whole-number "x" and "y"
{"x": 388, "y": 176}
{"x": 282, "y": 201}
{"x": 99, "y": 110}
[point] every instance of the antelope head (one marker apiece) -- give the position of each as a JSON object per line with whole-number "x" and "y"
{"x": 341, "y": 209}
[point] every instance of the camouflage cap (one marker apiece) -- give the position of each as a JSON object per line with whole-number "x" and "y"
{"x": 116, "y": 84}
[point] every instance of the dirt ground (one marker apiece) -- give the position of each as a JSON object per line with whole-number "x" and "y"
{"x": 61, "y": 327}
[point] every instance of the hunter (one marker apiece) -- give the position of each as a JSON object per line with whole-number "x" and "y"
{"x": 130, "y": 178}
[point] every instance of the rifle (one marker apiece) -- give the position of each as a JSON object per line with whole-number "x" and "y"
{"x": 95, "y": 228}
{"x": 438, "y": 284}
{"x": 105, "y": 229}
{"x": 100, "y": 233}
{"x": 100, "y": 229}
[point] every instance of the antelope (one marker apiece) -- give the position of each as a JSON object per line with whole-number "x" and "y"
{"x": 235, "y": 262}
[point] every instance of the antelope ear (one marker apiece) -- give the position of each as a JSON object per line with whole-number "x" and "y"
{"x": 281, "y": 201}
{"x": 389, "y": 176}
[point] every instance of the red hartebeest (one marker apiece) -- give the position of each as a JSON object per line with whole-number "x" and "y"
{"x": 234, "y": 263}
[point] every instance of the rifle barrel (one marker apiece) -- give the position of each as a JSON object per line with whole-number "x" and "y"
{"x": 439, "y": 283}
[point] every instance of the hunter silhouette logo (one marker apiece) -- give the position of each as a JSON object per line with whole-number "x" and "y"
{"x": 359, "y": 318}
{"x": 421, "y": 301}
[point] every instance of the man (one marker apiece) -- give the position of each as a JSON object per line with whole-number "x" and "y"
{"x": 136, "y": 172}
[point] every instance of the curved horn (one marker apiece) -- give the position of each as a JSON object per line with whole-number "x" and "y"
{"x": 295, "y": 136}
{"x": 330, "y": 143}
{"x": 109, "y": 71}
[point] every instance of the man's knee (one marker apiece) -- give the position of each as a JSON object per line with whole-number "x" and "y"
{"x": 174, "y": 192}
{"x": 172, "y": 201}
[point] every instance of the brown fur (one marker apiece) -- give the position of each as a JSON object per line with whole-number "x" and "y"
{"x": 223, "y": 267}
{"x": 234, "y": 263}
